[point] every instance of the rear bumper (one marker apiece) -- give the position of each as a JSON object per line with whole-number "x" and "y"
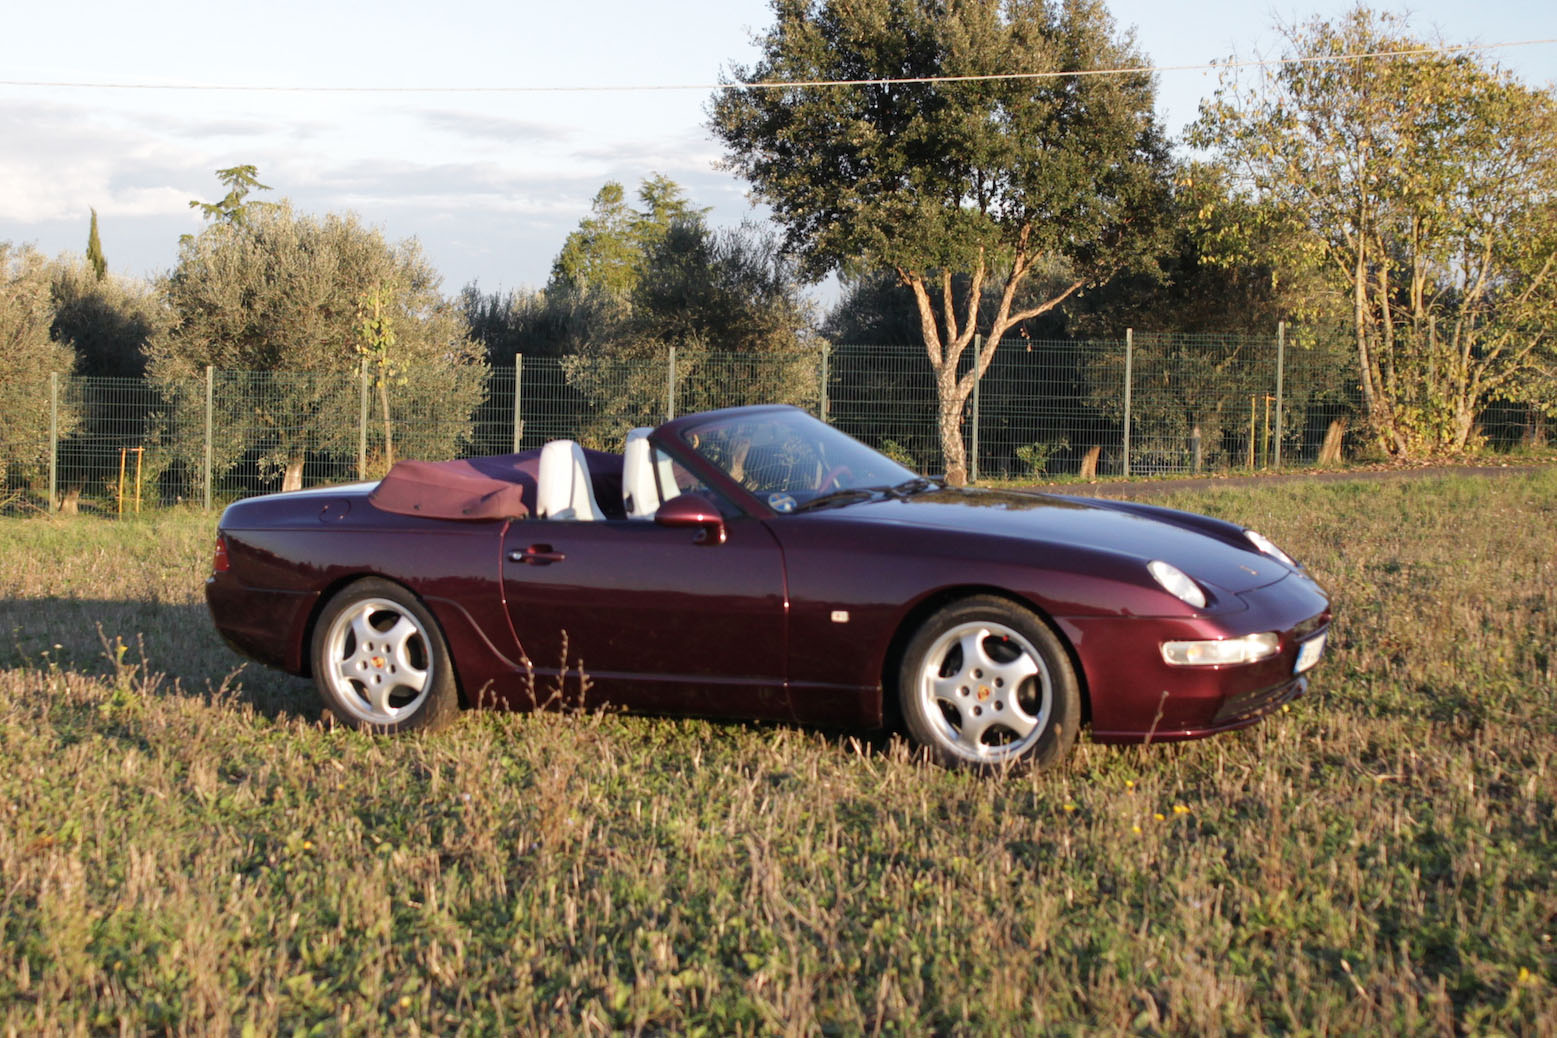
{"x": 265, "y": 625}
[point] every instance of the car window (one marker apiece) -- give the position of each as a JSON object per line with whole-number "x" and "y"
{"x": 673, "y": 478}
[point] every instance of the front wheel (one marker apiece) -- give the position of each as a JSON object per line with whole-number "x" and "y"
{"x": 986, "y": 683}
{"x": 380, "y": 661}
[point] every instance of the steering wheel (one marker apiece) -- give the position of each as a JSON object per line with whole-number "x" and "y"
{"x": 833, "y": 475}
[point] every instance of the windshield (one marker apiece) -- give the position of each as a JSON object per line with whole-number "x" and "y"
{"x": 787, "y": 458}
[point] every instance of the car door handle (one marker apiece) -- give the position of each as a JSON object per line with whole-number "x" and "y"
{"x": 536, "y": 555}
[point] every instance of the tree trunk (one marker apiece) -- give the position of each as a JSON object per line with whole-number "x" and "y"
{"x": 389, "y": 441}
{"x": 1330, "y": 450}
{"x": 293, "y": 479}
{"x": 1464, "y": 426}
{"x": 950, "y": 403}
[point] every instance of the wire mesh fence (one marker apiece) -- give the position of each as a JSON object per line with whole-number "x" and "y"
{"x": 1138, "y": 405}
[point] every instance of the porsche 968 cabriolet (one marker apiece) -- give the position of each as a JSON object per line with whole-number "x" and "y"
{"x": 757, "y": 563}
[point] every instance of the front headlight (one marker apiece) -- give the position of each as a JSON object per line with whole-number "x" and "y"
{"x": 1222, "y": 652}
{"x": 1262, "y": 542}
{"x": 1177, "y": 583}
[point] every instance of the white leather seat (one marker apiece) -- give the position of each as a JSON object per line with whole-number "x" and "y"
{"x": 562, "y": 487}
{"x": 640, "y": 495}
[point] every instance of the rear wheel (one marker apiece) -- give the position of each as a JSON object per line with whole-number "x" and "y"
{"x": 986, "y": 683}
{"x": 380, "y": 661}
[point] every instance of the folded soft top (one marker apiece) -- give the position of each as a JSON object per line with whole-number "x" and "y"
{"x": 497, "y": 487}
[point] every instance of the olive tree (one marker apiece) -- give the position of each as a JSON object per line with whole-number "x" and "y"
{"x": 1050, "y": 178}
{"x": 28, "y": 356}
{"x": 306, "y": 308}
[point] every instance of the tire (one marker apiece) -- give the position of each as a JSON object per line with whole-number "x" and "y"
{"x": 985, "y": 683}
{"x": 380, "y": 661}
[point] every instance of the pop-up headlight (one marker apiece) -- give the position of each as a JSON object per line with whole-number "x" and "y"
{"x": 1262, "y": 542}
{"x": 1177, "y": 583}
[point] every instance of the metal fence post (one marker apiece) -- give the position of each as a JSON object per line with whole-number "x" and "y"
{"x": 362, "y": 421}
{"x": 53, "y": 440}
{"x": 1129, "y": 359}
{"x": 210, "y": 396}
{"x": 973, "y": 466}
{"x": 518, "y": 412}
{"x": 1281, "y": 362}
{"x": 822, "y": 409}
{"x": 670, "y": 386}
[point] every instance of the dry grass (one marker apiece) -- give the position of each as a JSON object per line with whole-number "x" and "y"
{"x": 185, "y": 851}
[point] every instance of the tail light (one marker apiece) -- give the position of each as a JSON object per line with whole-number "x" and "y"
{"x": 221, "y": 564}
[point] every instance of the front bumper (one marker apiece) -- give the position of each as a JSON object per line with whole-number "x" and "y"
{"x": 1135, "y": 696}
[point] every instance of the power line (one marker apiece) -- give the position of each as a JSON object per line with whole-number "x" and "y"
{"x": 555, "y": 88}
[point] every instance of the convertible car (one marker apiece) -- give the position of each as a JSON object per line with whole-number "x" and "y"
{"x": 758, "y": 563}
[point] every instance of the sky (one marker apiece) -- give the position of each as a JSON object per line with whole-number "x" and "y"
{"x": 490, "y": 183}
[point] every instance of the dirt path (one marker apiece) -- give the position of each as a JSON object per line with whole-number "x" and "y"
{"x": 1150, "y": 488}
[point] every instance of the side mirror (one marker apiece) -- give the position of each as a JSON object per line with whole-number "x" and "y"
{"x": 691, "y": 510}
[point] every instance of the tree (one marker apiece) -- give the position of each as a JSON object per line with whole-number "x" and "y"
{"x": 874, "y": 309}
{"x": 28, "y": 356}
{"x": 552, "y": 322}
{"x": 94, "y": 251}
{"x": 108, "y": 322}
{"x": 1421, "y": 187}
{"x": 606, "y": 253}
{"x": 1054, "y": 180}
{"x": 285, "y": 296}
{"x": 376, "y": 347}
{"x": 729, "y": 302}
{"x": 234, "y": 208}
{"x": 1205, "y": 323}
{"x": 731, "y": 288}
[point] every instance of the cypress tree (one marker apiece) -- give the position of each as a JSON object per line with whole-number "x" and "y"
{"x": 95, "y": 251}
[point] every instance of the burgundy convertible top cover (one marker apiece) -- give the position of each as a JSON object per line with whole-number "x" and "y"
{"x": 498, "y": 487}
{"x": 457, "y": 489}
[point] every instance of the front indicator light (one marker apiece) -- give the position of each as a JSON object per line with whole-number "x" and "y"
{"x": 1223, "y": 652}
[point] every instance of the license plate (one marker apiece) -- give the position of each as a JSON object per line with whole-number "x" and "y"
{"x": 1309, "y": 653}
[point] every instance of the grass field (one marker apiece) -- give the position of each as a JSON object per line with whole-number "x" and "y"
{"x": 187, "y": 849}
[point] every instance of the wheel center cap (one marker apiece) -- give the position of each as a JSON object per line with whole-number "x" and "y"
{"x": 377, "y": 662}
{"x": 983, "y": 693}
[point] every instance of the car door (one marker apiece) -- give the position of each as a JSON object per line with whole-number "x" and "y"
{"x": 653, "y": 617}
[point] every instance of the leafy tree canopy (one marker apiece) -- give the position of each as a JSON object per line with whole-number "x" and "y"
{"x": 108, "y": 322}
{"x": 1422, "y": 191}
{"x": 234, "y": 207}
{"x": 634, "y": 280}
{"x": 298, "y": 295}
{"x": 284, "y": 291}
{"x": 729, "y": 292}
{"x": 934, "y": 179}
{"x": 606, "y": 253}
{"x": 731, "y": 289}
{"x": 28, "y": 354}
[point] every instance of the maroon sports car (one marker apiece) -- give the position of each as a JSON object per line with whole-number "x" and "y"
{"x": 757, "y": 563}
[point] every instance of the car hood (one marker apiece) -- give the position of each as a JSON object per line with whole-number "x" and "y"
{"x": 1209, "y": 550}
